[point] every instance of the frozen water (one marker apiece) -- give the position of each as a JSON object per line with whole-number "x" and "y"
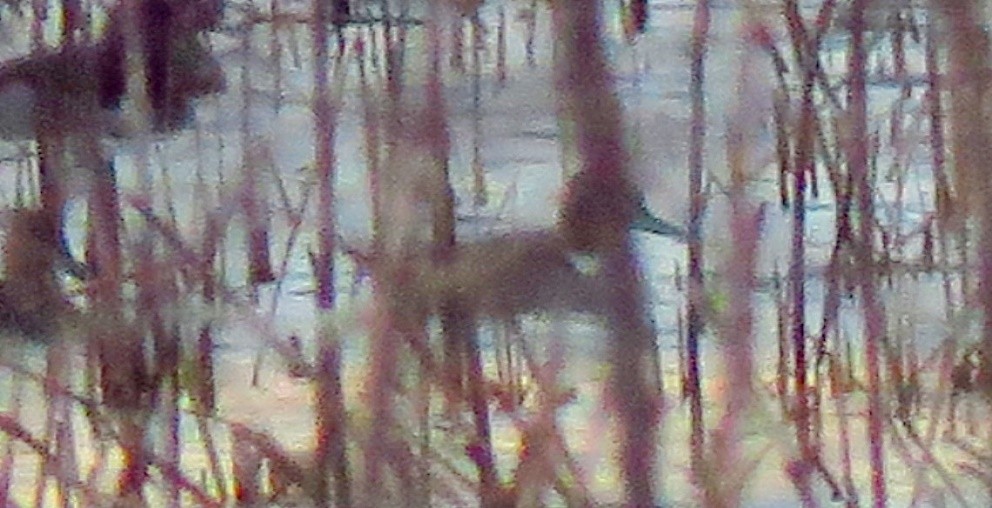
{"x": 521, "y": 154}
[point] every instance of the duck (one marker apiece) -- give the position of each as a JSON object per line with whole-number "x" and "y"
{"x": 32, "y": 303}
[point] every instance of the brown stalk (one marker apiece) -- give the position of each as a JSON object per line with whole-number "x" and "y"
{"x": 841, "y": 372}
{"x": 599, "y": 204}
{"x": 970, "y": 136}
{"x": 737, "y": 339}
{"x": 501, "y": 48}
{"x": 461, "y": 342}
{"x": 425, "y": 494}
{"x": 543, "y": 451}
{"x": 156, "y": 294}
{"x": 803, "y": 165}
{"x": 680, "y": 351}
{"x": 695, "y": 323}
{"x": 121, "y": 358}
{"x": 203, "y": 389}
{"x": 387, "y": 331}
{"x": 929, "y": 459}
{"x": 90, "y": 494}
{"x": 457, "y": 58}
{"x": 531, "y": 31}
{"x": 783, "y": 147}
{"x": 116, "y": 344}
{"x": 871, "y": 307}
{"x": 294, "y": 216}
{"x": 39, "y": 10}
{"x": 480, "y": 194}
{"x": 396, "y": 65}
{"x": 7, "y": 464}
{"x": 537, "y": 466}
{"x": 275, "y": 54}
{"x": 373, "y": 144}
{"x": 330, "y": 459}
{"x": 246, "y": 465}
{"x": 942, "y": 188}
{"x": 170, "y": 406}
{"x": 18, "y": 433}
{"x": 58, "y": 428}
{"x": 457, "y": 328}
{"x": 782, "y": 363}
{"x": 253, "y": 155}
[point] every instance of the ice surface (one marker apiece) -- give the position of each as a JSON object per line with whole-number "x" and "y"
{"x": 520, "y": 152}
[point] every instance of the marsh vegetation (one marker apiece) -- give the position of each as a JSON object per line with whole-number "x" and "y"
{"x": 506, "y": 253}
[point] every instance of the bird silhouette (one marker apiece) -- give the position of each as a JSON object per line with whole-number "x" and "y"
{"x": 32, "y": 302}
{"x": 79, "y": 88}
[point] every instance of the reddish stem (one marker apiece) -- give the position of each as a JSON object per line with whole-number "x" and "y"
{"x": 697, "y": 204}
{"x": 330, "y": 454}
{"x": 871, "y": 307}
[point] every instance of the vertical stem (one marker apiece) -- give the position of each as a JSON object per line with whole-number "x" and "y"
{"x": 259, "y": 263}
{"x": 275, "y": 54}
{"x": 480, "y": 196}
{"x": 531, "y": 30}
{"x": 205, "y": 342}
{"x": 122, "y": 358}
{"x": 804, "y": 165}
{"x": 782, "y": 363}
{"x": 938, "y": 154}
{"x": 697, "y": 204}
{"x": 457, "y": 60}
{"x": 501, "y": 48}
{"x": 383, "y": 355}
{"x": 737, "y": 342}
{"x": 944, "y": 216}
{"x": 871, "y": 306}
{"x": 172, "y": 392}
{"x": 120, "y": 352}
{"x": 394, "y": 62}
{"x": 72, "y": 18}
{"x": 341, "y": 13}
{"x": 39, "y": 10}
{"x": 639, "y": 15}
{"x": 598, "y": 208}
{"x": 51, "y": 146}
{"x": 51, "y": 143}
{"x": 373, "y": 147}
{"x": 204, "y": 394}
{"x": 458, "y": 325}
{"x": 330, "y": 453}
{"x": 840, "y": 373}
{"x": 797, "y": 277}
{"x": 14, "y": 404}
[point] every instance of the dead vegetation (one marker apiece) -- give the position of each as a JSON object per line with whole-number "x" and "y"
{"x": 424, "y": 426}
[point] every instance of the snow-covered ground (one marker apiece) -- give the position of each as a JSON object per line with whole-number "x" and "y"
{"x": 522, "y": 158}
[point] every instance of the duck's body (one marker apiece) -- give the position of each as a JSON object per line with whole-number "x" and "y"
{"x": 31, "y": 299}
{"x": 35, "y": 316}
{"x": 75, "y": 93}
